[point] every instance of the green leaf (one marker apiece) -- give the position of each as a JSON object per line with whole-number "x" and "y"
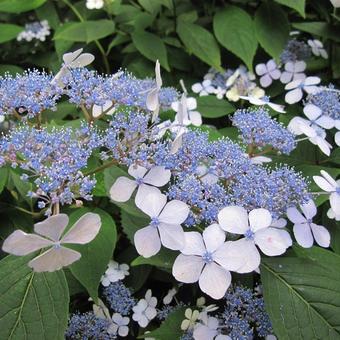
{"x": 19, "y": 6}
{"x": 22, "y": 187}
{"x": 3, "y": 177}
{"x": 33, "y": 305}
{"x": 170, "y": 329}
{"x": 151, "y": 46}
{"x": 298, "y": 5}
{"x": 11, "y": 69}
{"x": 110, "y": 176}
{"x": 319, "y": 28}
{"x": 164, "y": 259}
{"x": 86, "y": 31}
{"x": 302, "y": 298}
{"x": 234, "y": 29}
{"x": 272, "y": 28}
{"x": 9, "y": 32}
{"x": 211, "y": 107}
{"x": 319, "y": 256}
{"x": 95, "y": 255}
{"x": 200, "y": 42}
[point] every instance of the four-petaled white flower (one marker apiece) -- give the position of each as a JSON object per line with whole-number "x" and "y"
{"x": 315, "y": 134}
{"x": 114, "y": 273}
{"x": 268, "y": 72}
{"x": 204, "y": 89}
{"x": 208, "y": 330}
{"x": 242, "y": 255}
{"x": 146, "y": 181}
{"x": 295, "y": 93}
{"x": 190, "y": 116}
{"x": 165, "y": 226}
{"x": 107, "y": 109}
{"x": 335, "y": 3}
{"x": 94, "y": 4}
{"x": 317, "y": 48}
{"x": 305, "y": 231}
{"x": 293, "y": 71}
{"x": 337, "y": 138}
{"x": 145, "y": 309}
{"x": 119, "y": 325}
{"x": 191, "y": 317}
{"x": 178, "y": 127}
{"x": 48, "y": 233}
{"x": 328, "y": 184}
{"x": 264, "y": 101}
{"x": 152, "y": 99}
{"x": 72, "y": 60}
{"x": 316, "y": 117}
{"x": 219, "y": 92}
{"x": 168, "y": 297}
{"x": 202, "y": 259}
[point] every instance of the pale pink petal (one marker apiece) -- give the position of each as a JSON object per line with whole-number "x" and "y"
{"x": 54, "y": 259}
{"x": 137, "y": 171}
{"x": 275, "y": 74}
{"x": 52, "y": 227}
{"x": 303, "y": 235}
{"x": 175, "y": 212}
{"x": 213, "y": 237}
{"x": 266, "y": 80}
{"x": 323, "y": 184}
{"x": 84, "y": 230}
{"x": 152, "y": 204}
{"x": 144, "y": 190}
{"x": 337, "y": 138}
{"x": 152, "y": 101}
{"x": 280, "y": 223}
{"x": 325, "y": 122}
{"x": 271, "y": 241}
{"x": 293, "y": 84}
{"x": 187, "y": 269}
{"x": 286, "y": 77}
{"x": 19, "y": 243}
{"x": 312, "y": 81}
{"x": 195, "y": 118}
{"x": 295, "y": 216}
{"x": 334, "y": 200}
{"x": 122, "y": 189}
{"x": 233, "y": 219}
{"x": 232, "y": 255}
{"x": 260, "y": 69}
{"x": 271, "y": 65}
{"x": 70, "y": 56}
{"x": 324, "y": 146}
{"x": 309, "y": 210}
{"x": 329, "y": 178}
{"x": 147, "y": 241}
{"x": 191, "y": 103}
{"x": 172, "y": 236}
{"x": 259, "y": 219}
{"x": 196, "y": 88}
{"x": 293, "y": 96}
{"x": 321, "y": 235}
{"x": 214, "y": 280}
{"x": 82, "y": 60}
{"x": 299, "y": 66}
{"x": 193, "y": 244}
{"x": 312, "y": 111}
{"x": 277, "y": 107}
{"x": 157, "y": 176}
{"x": 290, "y": 67}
